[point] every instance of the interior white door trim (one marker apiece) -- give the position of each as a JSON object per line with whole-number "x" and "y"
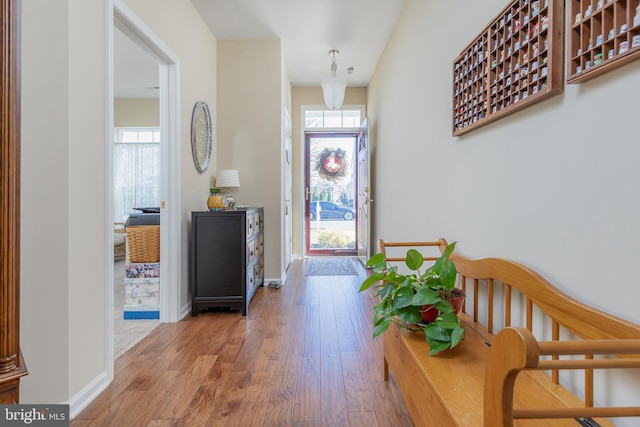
{"x": 364, "y": 193}
{"x": 287, "y": 195}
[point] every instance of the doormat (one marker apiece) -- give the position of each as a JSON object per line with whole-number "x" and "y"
{"x": 330, "y": 267}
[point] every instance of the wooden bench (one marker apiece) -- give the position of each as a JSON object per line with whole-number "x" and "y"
{"x": 502, "y": 374}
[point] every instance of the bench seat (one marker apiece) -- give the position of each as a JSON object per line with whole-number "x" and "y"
{"x": 448, "y": 389}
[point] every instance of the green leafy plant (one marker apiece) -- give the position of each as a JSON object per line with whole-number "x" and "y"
{"x": 333, "y": 239}
{"x": 403, "y": 297}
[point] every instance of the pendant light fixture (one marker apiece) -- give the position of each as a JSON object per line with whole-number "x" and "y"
{"x": 333, "y": 87}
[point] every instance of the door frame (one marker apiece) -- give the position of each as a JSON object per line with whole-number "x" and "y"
{"x": 364, "y": 197}
{"x": 306, "y": 221}
{"x": 287, "y": 195}
{"x": 299, "y": 220}
{"x": 120, "y": 16}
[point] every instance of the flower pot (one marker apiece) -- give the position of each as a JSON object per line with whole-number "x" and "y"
{"x": 429, "y": 313}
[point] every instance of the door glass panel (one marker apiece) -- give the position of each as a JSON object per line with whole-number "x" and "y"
{"x": 333, "y": 119}
{"x": 332, "y": 192}
{"x": 314, "y": 119}
{"x": 351, "y": 118}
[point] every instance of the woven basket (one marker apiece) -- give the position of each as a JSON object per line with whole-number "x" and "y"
{"x": 143, "y": 243}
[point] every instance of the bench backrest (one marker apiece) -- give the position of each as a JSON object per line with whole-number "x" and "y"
{"x": 481, "y": 278}
{"x": 580, "y": 319}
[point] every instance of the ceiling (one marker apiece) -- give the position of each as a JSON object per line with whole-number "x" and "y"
{"x": 135, "y": 73}
{"x": 308, "y": 29}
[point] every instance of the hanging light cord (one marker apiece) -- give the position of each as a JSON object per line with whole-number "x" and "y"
{"x": 334, "y": 65}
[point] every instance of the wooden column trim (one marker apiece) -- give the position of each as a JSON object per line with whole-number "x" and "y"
{"x": 11, "y": 364}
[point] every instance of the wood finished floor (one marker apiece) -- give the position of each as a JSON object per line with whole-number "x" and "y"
{"x": 304, "y": 356}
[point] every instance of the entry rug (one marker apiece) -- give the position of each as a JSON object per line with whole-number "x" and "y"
{"x": 330, "y": 267}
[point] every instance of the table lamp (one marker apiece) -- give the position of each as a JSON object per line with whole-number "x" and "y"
{"x": 228, "y": 178}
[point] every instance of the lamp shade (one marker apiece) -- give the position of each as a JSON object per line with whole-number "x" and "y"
{"x": 333, "y": 91}
{"x": 227, "y": 178}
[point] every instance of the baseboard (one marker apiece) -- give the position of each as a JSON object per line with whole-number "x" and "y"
{"x": 88, "y": 393}
{"x": 186, "y": 310}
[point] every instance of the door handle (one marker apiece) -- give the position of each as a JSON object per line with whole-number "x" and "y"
{"x": 307, "y": 194}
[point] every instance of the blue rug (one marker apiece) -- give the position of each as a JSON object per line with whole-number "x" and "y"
{"x": 330, "y": 267}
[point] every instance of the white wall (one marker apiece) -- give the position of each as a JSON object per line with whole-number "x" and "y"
{"x": 45, "y": 198}
{"x": 63, "y": 204}
{"x": 63, "y": 215}
{"x": 136, "y": 112}
{"x": 250, "y": 131}
{"x": 86, "y": 184}
{"x": 553, "y": 186}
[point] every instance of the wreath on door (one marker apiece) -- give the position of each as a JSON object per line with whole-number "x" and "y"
{"x": 331, "y": 164}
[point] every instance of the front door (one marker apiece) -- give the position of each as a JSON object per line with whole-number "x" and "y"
{"x": 330, "y": 193}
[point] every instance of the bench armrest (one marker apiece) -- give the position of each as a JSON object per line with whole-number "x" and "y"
{"x": 515, "y": 349}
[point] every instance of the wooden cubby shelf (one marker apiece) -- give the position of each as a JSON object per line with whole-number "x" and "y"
{"x": 514, "y": 62}
{"x": 603, "y": 35}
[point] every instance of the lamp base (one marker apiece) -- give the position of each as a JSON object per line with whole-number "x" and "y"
{"x": 231, "y": 202}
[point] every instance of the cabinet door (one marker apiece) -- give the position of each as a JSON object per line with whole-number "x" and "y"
{"x": 220, "y": 256}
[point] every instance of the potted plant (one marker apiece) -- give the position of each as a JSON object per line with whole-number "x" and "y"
{"x": 420, "y": 300}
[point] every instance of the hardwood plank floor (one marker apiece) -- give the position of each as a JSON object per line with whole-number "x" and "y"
{"x": 304, "y": 356}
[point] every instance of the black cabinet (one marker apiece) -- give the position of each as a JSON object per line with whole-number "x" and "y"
{"x": 227, "y": 258}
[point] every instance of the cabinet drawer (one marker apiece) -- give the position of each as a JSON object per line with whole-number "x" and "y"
{"x": 256, "y": 276}
{"x": 257, "y": 270}
{"x": 251, "y": 279}
{"x": 251, "y": 252}
{"x": 257, "y": 225}
{"x": 250, "y": 225}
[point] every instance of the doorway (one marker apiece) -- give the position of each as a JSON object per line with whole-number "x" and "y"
{"x": 136, "y": 185}
{"x": 330, "y": 193}
{"x": 123, "y": 19}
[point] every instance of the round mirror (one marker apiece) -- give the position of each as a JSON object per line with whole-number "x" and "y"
{"x": 201, "y": 136}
